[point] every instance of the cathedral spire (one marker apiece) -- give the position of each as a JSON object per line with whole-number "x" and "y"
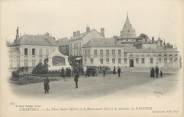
{"x": 127, "y": 22}
{"x": 127, "y": 18}
{"x": 127, "y": 31}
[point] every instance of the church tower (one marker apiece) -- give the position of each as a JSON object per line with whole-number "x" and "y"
{"x": 128, "y": 31}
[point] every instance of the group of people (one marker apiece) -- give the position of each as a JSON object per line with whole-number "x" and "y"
{"x": 76, "y": 77}
{"x": 119, "y": 71}
{"x": 114, "y": 71}
{"x": 155, "y": 72}
{"x": 66, "y": 72}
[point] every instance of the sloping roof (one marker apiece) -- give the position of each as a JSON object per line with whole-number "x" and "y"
{"x": 110, "y": 42}
{"x": 82, "y": 35}
{"x": 43, "y": 40}
{"x": 101, "y": 42}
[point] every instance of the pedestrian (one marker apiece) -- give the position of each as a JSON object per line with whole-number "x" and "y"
{"x": 104, "y": 72}
{"x": 46, "y": 85}
{"x": 119, "y": 72}
{"x": 114, "y": 70}
{"x": 76, "y": 77}
{"x": 63, "y": 73}
{"x": 152, "y": 72}
{"x": 161, "y": 74}
{"x": 157, "y": 71}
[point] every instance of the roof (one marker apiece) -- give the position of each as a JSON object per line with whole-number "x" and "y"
{"x": 128, "y": 30}
{"x": 82, "y": 35}
{"x": 110, "y": 42}
{"x": 42, "y": 40}
{"x": 62, "y": 41}
{"x": 101, "y": 42}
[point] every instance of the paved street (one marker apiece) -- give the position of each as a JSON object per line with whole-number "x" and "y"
{"x": 129, "y": 84}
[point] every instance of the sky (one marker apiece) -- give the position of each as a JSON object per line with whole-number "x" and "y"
{"x": 158, "y": 18}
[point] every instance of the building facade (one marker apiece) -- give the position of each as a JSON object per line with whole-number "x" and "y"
{"x": 92, "y": 48}
{"x": 131, "y": 51}
{"x": 28, "y": 50}
{"x": 78, "y": 39}
{"x": 99, "y": 54}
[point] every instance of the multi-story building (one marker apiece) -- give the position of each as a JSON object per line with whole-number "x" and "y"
{"x": 79, "y": 39}
{"x": 130, "y": 51}
{"x": 28, "y": 50}
{"x": 75, "y": 43}
{"x": 102, "y": 52}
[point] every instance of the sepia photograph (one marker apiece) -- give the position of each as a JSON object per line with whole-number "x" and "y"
{"x": 92, "y": 58}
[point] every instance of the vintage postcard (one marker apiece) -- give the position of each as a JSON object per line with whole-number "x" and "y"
{"x": 91, "y": 58}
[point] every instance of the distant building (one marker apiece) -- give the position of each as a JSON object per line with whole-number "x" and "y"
{"x": 130, "y": 51}
{"x": 79, "y": 39}
{"x": 76, "y": 43}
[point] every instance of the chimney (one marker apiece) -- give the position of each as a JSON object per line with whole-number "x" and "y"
{"x": 153, "y": 39}
{"x": 77, "y": 32}
{"x": 102, "y": 31}
{"x": 87, "y": 29}
{"x": 74, "y": 34}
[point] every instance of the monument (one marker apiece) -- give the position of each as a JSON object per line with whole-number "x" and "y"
{"x": 58, "y": 61}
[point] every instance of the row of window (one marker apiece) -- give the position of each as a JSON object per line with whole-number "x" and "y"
{"x": 33, "y": 51}
{"x": 102, "y": 52}
{"x": 148, "y": 55}
{"x": 137, "y": 60}
{"x": 113, "y": 52}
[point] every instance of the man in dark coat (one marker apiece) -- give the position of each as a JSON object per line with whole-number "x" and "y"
{"x": 152, "y": 74}
{"x": 119, "y": 72}
{"x": 63, "y": 73}
{"x": 157, "y": 71}
{"x": 104, "y": 72}
{"x": 76, "y": 77}
{"x": 161, "y": 74}
{"x": 114, "y": 70}
{"x": 46, "y": 85}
